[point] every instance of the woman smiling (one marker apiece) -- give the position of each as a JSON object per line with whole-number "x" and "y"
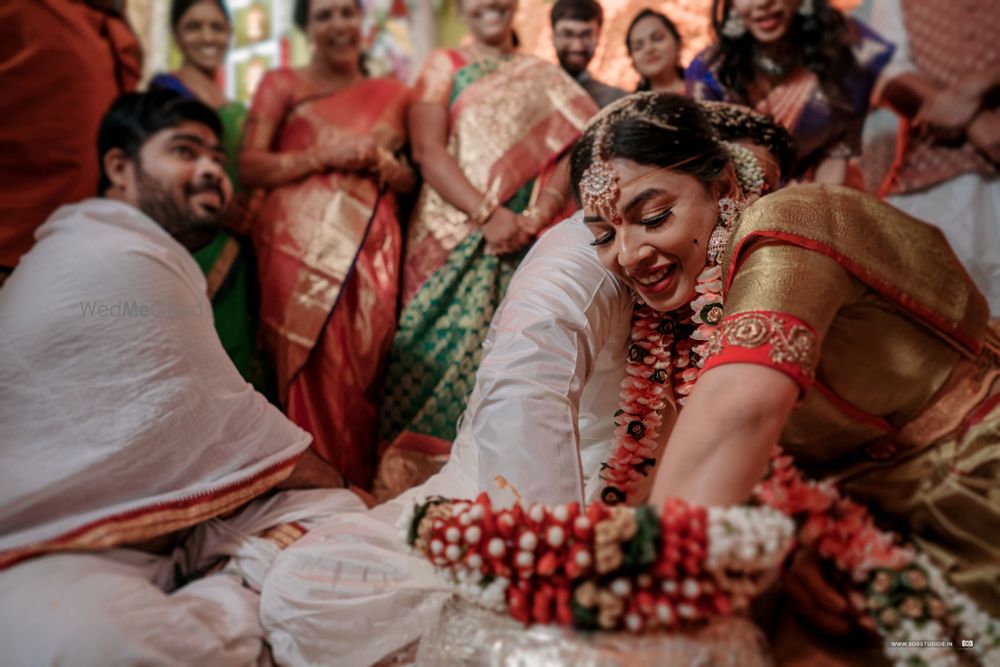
{"x": 323, "y": 140}
{"x": 803, "y": 63}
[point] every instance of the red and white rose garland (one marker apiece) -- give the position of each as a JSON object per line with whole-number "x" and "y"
{"x": 602, "y": 567}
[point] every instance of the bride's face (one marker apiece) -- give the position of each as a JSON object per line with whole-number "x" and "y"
{"x": 660, "y": 245}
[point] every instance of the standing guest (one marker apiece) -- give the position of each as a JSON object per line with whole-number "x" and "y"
{"x": 576, "y": 31}
{"x": 62, "y": 63}
{"x": 126, "y": 433}
{"x": 202, "y": 30}
{"x": 323, "y": 140}
{"x": 654, "y": 45}
{"x": 943, "y": 79}
{"x": 489, "y": 127}
{"x": 805, "y": 64}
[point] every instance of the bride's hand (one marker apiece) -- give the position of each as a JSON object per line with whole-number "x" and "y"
{"x": 822, "y": 605}
{"x": 503, "y": 233}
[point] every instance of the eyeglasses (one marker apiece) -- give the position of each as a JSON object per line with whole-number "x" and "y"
{"x": 569, "y": 35}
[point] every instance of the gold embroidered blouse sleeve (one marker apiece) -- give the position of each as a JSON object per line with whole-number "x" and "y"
{"x": 792, "y": 280}
{"x": 778, "y": 308}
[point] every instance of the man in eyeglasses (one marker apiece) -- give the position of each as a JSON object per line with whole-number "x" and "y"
{"x": 576, "y": 30}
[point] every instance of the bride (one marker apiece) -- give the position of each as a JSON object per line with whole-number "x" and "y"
{"x": 851, "y": 335}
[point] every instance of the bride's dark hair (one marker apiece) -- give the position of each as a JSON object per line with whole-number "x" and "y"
{"x": 820, "y": 38}
{"x": 660, "y": 129}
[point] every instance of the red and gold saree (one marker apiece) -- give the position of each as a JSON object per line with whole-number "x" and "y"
{"x": 328, "y": 249}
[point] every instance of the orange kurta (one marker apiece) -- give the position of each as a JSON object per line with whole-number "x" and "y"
{"x": 62, "y": 64}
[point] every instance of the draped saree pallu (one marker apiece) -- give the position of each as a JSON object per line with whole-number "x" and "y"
{"x": 873, "y": 315}
{"x": 509, "y": 122}
{"x": 328, "y": 249}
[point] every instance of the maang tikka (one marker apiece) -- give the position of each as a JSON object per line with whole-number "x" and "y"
{"x": 599, "y": 190}
{"x": 599, "y": 187}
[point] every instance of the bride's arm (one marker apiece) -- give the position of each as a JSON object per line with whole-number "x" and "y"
{"x": 780, "y": 305}
{"x": 720, "y": 446}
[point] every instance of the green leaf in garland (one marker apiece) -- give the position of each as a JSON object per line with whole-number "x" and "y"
{"x": 641, "y": 549}
{"x": 418, "y": 515}
{"x": 583, "y": 618}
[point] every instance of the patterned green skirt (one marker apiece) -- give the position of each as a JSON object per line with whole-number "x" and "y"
{"x": 436, "y": 351}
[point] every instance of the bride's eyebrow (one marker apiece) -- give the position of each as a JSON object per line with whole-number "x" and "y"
{"x": 640, "y": 199}
{"x": 592, "y": 219}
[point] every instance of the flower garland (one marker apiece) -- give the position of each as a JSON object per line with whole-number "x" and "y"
{"x": 655, "y": 356}
{"x": 644, "y": 393}
{"x": 622, "y": 568}
{"x": 917, "y": 612}
{"x": 601, "y": 567}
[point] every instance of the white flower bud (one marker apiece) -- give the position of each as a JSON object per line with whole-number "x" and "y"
{"x": 528, "y": 541}
{"x": 496, "y": 547}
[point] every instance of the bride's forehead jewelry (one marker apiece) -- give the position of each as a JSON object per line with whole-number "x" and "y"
{"x": 600, "y": 189}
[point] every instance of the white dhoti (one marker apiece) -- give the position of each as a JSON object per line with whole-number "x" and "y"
{"x": 350, "y": 592}
{"x": 129, "y": 607}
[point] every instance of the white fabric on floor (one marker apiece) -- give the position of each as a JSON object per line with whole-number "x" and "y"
{"x": 350, "y": 591}
{"x": 123, "y": 606}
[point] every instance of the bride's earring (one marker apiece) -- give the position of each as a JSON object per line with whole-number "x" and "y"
{"x": 729, "y": 210}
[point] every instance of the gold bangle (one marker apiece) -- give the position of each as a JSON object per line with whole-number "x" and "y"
{"x": 486, "y": 208}
{"x": 535, "y": 213}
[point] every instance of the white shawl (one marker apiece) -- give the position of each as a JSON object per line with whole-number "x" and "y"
{"x": 121, "y": 417}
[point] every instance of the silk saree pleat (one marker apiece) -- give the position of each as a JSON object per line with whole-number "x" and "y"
{"x": 328, "y": 249}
